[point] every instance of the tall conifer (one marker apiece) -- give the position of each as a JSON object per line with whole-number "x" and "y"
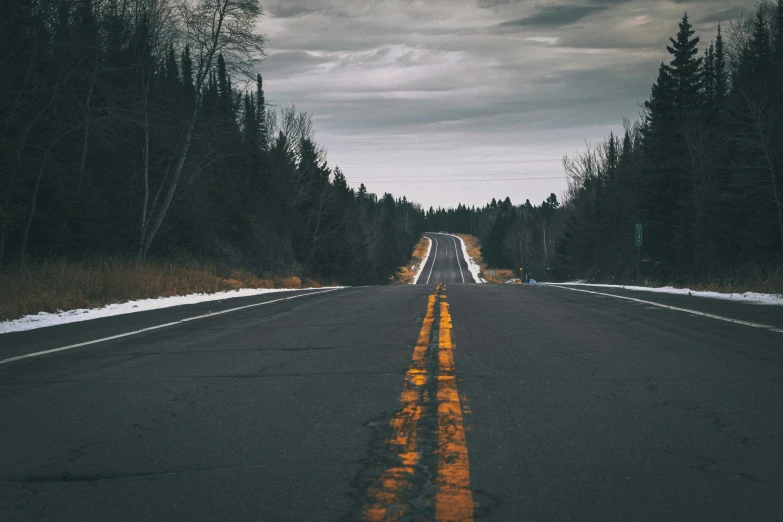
{"x": 721, "y": 72}
{"x": 685, "y": 68}
{"x": 779, "y": 35}
{"x": 709, "y": 74}
{"x": 760, "y": 47}
{"x": 263, "y": 139}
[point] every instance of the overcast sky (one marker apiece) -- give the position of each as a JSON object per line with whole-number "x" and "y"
{"x": 456, "y": 101}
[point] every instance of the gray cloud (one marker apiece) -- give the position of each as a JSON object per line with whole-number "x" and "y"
{"x": 490, "y": 4}
{"x": 723, "y": 16}
{"x": 287, "y": 63}
{"x": 290, "y": 10}
{"x": 555, "y": 16}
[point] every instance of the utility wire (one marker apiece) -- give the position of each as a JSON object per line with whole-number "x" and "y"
{"x": 437, "y": 176}
{"x": 456, "y": 180}
{"x": 447, "y": 164}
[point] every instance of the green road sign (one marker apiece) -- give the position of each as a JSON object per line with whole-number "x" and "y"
{"x": 638, "y": 235}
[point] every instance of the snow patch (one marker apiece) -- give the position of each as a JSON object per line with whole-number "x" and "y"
{"x": 423, "y": 261}
{"x": 746, "y": 297}
{"x": 44, "y": 319}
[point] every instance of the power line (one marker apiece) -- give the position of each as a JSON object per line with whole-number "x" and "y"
{"x": 446, "y": 164}
{"x": 457, "y": 180}
{"x": 436, "y": 176}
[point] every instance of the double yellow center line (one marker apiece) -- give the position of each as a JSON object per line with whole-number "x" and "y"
{"x": 388, "y": 497}
{"x": 453, "y": 501}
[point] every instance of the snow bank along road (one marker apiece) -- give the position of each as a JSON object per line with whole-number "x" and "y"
{"x": 413, "y": 402}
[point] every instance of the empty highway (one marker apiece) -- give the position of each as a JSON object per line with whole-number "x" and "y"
{"x": 446, "y": 263}
{"x": 437, "y": 401}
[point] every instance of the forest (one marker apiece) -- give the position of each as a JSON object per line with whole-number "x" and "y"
{"x": 700, "y": 171}
{"x": 138, "y": 129}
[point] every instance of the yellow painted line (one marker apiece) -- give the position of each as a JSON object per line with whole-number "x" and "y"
{"x": 453, "y": 496}
{"x": 386, "y": 499}
{"x": 453, "y": 500}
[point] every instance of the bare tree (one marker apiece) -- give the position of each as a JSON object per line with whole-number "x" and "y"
{"x": 581, "y": 168}
{"x": 159, "y": 19}
{"x": 209, "y": 27}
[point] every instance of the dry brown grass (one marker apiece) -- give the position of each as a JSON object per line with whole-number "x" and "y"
{"x": 473, "y": 246}
{"x": 497, "y": 275}
{"x": 405, "y": 275}
{"x": 61, "y": 285}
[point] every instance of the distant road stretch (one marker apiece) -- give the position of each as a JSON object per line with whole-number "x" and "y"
{"x": 446, "y": 263}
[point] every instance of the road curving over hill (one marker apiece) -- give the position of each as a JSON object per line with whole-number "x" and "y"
{"x": 446, "y": 263}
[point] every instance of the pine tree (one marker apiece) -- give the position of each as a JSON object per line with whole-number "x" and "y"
{"x": 171, "y": 72}
{"x": 263, "y": 139}
{"x": 627, "y": 147}
{"x": 660, "y": 106}
{"x": 685, "y": 69}
{"x": 709, "y": 74}
{"x": 779, "y": 37}
{"x": 721, "y": 72}
{"x": 187, "y": 75}
{"x": 611, "y": 156}
{"x": 249, "y": 122}
{"x": 760, "y": 48}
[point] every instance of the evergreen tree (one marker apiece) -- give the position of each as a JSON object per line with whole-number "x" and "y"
{"x": 760, "y": 48}
{"x": 721, "y": 72}
{"x": 685, "y": 69}
{"x": 263, "y": 139}
{"x": 779, "y": 37}
{"x": 187, "y": 75}
{"x": 709, "y": 75}
{"x": 612, "y": 158}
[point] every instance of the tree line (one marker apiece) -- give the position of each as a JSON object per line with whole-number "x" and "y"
{"x": 700, "y": 171}
{"x": 140, "y": 128}
{"x": 522, "y": 236}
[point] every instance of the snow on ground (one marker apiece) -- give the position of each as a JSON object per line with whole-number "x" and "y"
{"x": 746, "y": 297}
{"x": 472, "y": 266}
{"x": 43, "y": 319}
{"x": 423, "y": 261}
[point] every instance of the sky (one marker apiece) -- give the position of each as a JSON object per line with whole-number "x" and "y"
{"x": 460, "y": 101}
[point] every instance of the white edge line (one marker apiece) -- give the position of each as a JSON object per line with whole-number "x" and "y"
{"x": 676, "y": 308}
{"x": 423, "y": 262}
{"x": 459, "y": 265}
{"x": 434, "y": 257}
{"x": 156, "y": 327}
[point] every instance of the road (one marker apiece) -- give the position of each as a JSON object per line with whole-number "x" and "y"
{"x": 446, "y": 263}
{"x": 418, "y": 402}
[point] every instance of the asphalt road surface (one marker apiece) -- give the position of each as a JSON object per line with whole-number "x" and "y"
{"x": 418, "y": 402}
{"x": 446, "y": 263}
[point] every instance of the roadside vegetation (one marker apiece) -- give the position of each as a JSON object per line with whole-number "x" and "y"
{"x": 53, "y": 286}
{"x": 406, "y": 273}
{"x": 489, "y": 275}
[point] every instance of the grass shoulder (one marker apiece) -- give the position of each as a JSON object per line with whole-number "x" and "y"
{"x": 406, "y": 274}
{"x": 53, "y": 286}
